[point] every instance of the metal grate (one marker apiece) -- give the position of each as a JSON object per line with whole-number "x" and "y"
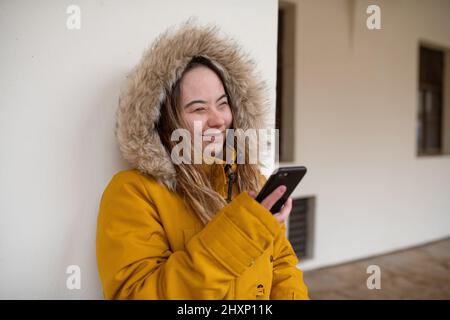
{"x": 300, "y": 226}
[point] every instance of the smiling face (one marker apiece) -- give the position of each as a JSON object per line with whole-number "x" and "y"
{"x": 203, "y": 99}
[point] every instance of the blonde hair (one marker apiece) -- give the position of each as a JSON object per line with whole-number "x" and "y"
{"x": 193, "y": 185}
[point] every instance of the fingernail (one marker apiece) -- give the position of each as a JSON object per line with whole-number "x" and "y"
{"x": 282, "y": 189}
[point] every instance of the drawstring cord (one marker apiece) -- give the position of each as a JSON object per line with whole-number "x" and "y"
{"x": 230, "y": 174}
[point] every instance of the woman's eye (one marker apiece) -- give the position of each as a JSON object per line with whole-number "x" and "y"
{"x": 224, "y": 103}
{"x": 199, "y": 109}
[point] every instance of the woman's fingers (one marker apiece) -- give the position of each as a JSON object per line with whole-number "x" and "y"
{"x": 284, "y": 212}
{"x": 272, "y": 198}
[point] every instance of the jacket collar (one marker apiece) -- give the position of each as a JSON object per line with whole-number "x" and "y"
{"x": 216, "y": 170}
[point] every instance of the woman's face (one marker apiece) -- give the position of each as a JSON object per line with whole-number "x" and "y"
{"x": 203, "y": 99}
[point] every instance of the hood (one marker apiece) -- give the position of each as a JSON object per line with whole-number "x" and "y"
{"x": 159, "y": 68}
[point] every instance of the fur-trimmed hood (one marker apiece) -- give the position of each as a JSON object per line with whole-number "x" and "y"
{"x": 159, "y": 69}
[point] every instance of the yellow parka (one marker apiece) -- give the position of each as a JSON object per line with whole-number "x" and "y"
{"x": 150, "y": 245}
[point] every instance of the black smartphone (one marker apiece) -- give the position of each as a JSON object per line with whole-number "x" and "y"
{"x": 287, "y": 176}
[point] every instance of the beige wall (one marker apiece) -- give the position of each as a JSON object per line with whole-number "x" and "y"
{"x": 59, "y": 92}
{"x": 355, "y": 122}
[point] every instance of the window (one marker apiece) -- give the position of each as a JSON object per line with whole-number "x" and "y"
{"x": 284, "y": 120}
{"x": 432, "y": 122}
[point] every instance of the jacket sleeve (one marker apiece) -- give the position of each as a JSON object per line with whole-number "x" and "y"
{"x": 135, "y": 260}
{"x": 287, "y": 283}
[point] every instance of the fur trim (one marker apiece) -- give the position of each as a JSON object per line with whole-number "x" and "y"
{"x": 159, "y": 68}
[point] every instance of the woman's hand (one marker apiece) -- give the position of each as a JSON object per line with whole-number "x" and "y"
{"x": 272, "y": 198}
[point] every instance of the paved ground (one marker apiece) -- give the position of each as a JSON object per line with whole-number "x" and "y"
{"x": 418, "y": 273}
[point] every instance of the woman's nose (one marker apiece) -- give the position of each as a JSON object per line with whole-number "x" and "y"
{"x": 215, "y": 119}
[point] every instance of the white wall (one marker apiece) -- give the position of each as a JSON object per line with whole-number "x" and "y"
{"x": 59, "y": 91}
{"x": 356, "y": 107}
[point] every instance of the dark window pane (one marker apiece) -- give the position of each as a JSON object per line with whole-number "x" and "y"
{"x": 429, "y": 130}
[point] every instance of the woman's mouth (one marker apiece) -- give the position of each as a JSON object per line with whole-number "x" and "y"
{"x": 213, "y": 137}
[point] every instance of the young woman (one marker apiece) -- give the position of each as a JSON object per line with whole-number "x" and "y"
{"x": 186, "y": 230}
